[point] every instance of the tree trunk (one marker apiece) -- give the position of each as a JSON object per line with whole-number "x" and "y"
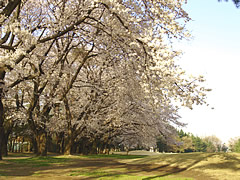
{"x": 70, "y": 140}
{"x": 34, "y": 147}
{"x": 2, "y": 75}
{"x": 68, "y": 148}
{"x": 10, "y": 145}
{"x": 4, "y": 145}
{"x": 41, "y": 140}
{"x": 62, "y": 145}
{"x": 68, "y": 145}
{"x": 93, "y": 149}
{"x": 1, "y": 140}
{"x": 51, "y": 147}
{"x": 60, "y": 142}
{"x": 5, "y": 140}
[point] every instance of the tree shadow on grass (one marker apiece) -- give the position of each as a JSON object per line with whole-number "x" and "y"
{"x": 89, "y": 168}
{"x": 175, "y": 170}
{"x": 131, "y": 171}
{"x": 80, "y": 166}
{"x": 229, "y": 162}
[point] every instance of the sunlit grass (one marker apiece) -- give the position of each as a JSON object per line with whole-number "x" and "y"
{"x": 115, "y": 156}
{"x": 118, "y": 175}
{"x": 215, "y": 165}
{"x": 91, "y": 173}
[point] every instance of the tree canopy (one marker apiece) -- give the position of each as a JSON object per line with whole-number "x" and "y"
{"x": 96, "y": 71}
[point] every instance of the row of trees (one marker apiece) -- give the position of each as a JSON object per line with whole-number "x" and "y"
{"x": 187, "y": 142}
{"x": 234, "y": 144}
{"x": 92, "y": 72}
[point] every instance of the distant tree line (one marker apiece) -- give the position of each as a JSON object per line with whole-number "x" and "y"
{"x": 187, "y": 142}
{"x": 234, "y": 144}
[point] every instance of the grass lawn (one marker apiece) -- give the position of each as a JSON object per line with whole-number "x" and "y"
{"x": 199, "y": 166}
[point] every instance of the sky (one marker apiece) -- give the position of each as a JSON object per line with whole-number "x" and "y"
{"x": 214, "y": 52}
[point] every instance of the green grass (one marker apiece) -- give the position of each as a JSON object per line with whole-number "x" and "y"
{"x": 2, "y": 174}
{"x": 39, "y": 161}
{"x": 91, "y": 173}
{"x": 105, "y": 175}
{"x": 19, "y": 155}
{"x": 37, "y": 174}
{"x": 115, "y": 156}
{"x": 4, "y": 165}
{"x": 129, "y": 167}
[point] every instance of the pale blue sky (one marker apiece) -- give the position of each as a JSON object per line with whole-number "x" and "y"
{"x": 214, "y": 53}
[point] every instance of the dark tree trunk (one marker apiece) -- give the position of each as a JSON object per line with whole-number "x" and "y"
{"x": 35, "y": 147}
{"x": 62, "y": 145}
{"x": 4, "y": 145}
{"x": 7, "y": 133}
{"x": 85, "y": 146}
{"x": 60, "y": 142}
{"x": 1, "y": 141}
{"x": 2, "y": 75}
{"x": 51, "y": 146}
{"x": 93, "y": 149}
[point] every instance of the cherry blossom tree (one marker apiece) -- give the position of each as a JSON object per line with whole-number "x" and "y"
{"x": 94, "y": 67}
